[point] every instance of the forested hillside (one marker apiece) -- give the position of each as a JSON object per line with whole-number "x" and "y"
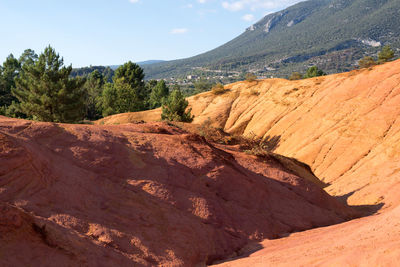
{"x": 333, "y": 34}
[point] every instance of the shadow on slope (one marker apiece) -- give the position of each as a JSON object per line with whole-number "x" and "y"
{"x": 157, "y": 194}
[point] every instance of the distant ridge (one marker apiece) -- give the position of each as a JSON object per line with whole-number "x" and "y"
{"x": 141, "y": 63}
{"x": 333, "y": 34}
{"x": 147, "y": 62}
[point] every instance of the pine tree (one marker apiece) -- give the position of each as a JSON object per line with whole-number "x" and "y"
{"x": 158, "y": 94}
{"x": 128, "y": 99}
{"x": 46, "y": 91}
{"x": 174, "y": 108}
{"x": 10, "y": 69}
{"x": 132, "y": 75}
{"x": 386, "y": 54}
{"x": 108, "y": 100}
{"x": 314, "y": 71}
{"x": 119, "y": 97}
{"x": 93, "y": 88}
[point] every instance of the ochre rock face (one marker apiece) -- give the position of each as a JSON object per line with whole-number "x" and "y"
{"x": 142, "y": 194}
{"x": 345, "y": 126}
{"x": 369, "y": 241}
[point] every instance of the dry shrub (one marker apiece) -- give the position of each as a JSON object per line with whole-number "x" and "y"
{"x": 296, "y": 76}
{"x": 211, "y": 133}
{"x": 218, "y": 89}
{"x": 250, "y": 77}
{"x": 254, "y": 92}
{"x": 258, "y": 146}
{"x": 252, "y": 144}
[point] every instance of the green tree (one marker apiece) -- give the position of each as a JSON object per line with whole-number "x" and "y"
{"x": 47, "y": 93}
{"x": 366, "y": 62}
{"x": 133, "y": 75}
{"x": 119, "y": 97}
{"x": 109, "y": 100}
{"x": 8, "y": 72}
{"x": 128, "y": 99}
{"x": 28, "y": 57}
{"x": 314, "y": 71}
{"x": 158, "y": 94}
{"x": 174, "y": 108}
{"x": 93, "y": 88}
{"x": 386, "y": 54}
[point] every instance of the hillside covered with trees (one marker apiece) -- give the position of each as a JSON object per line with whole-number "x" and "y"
{"x": 333, "y": 34}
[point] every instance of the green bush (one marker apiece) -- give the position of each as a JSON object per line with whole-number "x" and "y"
{"x": 314, "y": 71}
{"x": 174, "y": 108}
{"x": 386, "y": 54}
{"x": 366, "y": 62}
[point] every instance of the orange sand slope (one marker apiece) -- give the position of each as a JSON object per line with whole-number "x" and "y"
{"x": 345, "y": 126}
{"x": 142, "y": 195}
{"x": 370, "y": 241}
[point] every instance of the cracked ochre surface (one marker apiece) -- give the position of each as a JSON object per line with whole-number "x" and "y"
{"x": 142, "y": 194}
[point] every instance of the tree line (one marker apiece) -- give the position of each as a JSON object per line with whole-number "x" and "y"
{"x": 41, "y": 87}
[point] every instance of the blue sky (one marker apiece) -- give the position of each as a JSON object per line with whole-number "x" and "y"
{"x": 111, "y": 32}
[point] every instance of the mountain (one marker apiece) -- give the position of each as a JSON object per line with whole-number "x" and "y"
{"x": 141, "y": 63}
{"x": 148, "y": 62}
{"x": 333, "y": 34}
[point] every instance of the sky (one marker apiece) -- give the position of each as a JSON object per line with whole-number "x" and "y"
{"x": 111, "y": 32}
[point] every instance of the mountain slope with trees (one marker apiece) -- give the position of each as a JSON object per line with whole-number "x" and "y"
{"x": 334, "y": 34}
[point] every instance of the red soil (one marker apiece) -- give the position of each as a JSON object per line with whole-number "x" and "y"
{"x": 142, "y": 194}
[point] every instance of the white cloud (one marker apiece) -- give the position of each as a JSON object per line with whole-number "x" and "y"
{"x": 134, "y": 1}
{"x": 248, "y": 17}
{"x": 202, "y": 1}
{"x": 233, "y": 6}
{"x": 237, "y": 5}
{"x": 179, "y": 31}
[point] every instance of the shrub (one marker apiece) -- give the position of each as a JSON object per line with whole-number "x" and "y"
{"x": 366, "y": 62}
{"x": 295, "y": 76}
{"x": 260, "y": 147}
{"x": 314, "y": 71}
{"x": 250, "y": 77}
{"x": 216, "y": 134}
{"x": 386, "y": 54}
{"x": 254, "y": 92}
{"x": 218, "y": 89}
